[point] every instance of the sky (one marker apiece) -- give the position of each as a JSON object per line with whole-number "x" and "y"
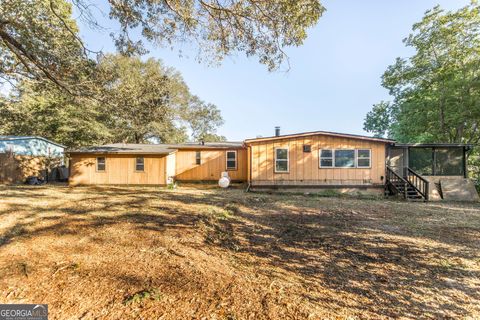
{"x": 334, "y": 77}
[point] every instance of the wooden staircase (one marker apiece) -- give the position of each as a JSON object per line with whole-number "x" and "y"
{"x": 411, "y": 186}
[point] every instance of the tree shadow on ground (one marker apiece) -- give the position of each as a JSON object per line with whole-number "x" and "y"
{"x": 397, "y": 272}
{"x": 386, "y": 270}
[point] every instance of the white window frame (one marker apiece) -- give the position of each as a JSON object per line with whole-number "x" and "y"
{"x": 355, "y": 160}
{"x": 369, "y": 158}
{"x": 136, "y": 164}
{"x": 320, "y": 158}
{"x": 226, "y": 160}
{"x": 288, "y": 159}
{"x": 104, "y": 163}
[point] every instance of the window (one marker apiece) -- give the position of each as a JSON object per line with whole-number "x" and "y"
{"x": 101, "y": 164}
{"x": 231, "y": 160}
{"x": 363, "y": 158}
{"x": 345, "y": 158}
{"x": 281, "y": 160}
{"x": 139, "y": 164}
{"x": 326, "y": 158}
{"x": 198, "y": 158}
{"x": 307, "y": 148}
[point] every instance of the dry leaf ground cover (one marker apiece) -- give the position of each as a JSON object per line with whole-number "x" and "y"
{"x": 152, "y": 253}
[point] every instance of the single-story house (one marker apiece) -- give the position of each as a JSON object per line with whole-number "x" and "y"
{"x": 24, "y": 156}
{"x": 317, "y": 159}
{"x": 157, "y": 164}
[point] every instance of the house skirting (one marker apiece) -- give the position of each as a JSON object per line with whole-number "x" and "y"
{"x": 323, "y": 183}
{"x": 334, "y": 189}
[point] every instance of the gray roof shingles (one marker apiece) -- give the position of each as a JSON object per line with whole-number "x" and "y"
{"x": 131, "y": 148}
{"x": 314, "y": 133}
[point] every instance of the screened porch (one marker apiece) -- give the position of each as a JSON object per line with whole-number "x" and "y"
{"x": 429, "y": 159}
{"x": 427, "y": 171}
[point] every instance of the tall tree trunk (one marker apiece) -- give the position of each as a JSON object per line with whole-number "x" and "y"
{"x": 459, "y": 133}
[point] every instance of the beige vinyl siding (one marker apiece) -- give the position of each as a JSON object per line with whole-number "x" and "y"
{"x": 120, "y": 169}
{"x": 304, "y": 167}
{"x": 213, "y": 163}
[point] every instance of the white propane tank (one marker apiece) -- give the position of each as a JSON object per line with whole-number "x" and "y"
{"x": 224, "y": 181}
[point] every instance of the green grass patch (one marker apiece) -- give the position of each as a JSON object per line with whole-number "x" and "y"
{"x": 142, "y": 296}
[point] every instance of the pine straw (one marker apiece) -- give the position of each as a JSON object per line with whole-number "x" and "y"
{"x": 145, "y": 253}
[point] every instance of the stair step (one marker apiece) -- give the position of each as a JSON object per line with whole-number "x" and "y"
{"x": 402, "y": 186}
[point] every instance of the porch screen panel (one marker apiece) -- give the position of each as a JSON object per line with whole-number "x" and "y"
{"x": 420, "y": 160}
{"x": 449, "y": 161}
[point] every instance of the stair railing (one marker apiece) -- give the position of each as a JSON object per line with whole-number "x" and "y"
{"x": 394, "y": 179}
{"x": 418, "y": 182}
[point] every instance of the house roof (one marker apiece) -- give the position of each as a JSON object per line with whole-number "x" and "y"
{"x": 209, "y": 145}
{"x": 14, "y": 138}
{"x": 131, "y": 148}
{"x": 126, "y": 148}
{"x": 324, "y": 133}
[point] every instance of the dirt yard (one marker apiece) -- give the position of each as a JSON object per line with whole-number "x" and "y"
{"x": 151, "y": 253}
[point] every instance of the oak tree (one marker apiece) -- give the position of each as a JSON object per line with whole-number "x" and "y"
{"x": 435, "y": 92}
{"x": 39, "y": 38}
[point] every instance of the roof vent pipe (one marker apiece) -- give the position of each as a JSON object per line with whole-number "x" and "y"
{"x": 277, "y": 131}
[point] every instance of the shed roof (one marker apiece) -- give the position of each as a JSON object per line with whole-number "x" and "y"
{"x": 324, "y": 133}
{"x": 14, "y": 138}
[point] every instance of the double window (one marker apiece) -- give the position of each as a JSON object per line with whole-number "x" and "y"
{"x": 281, "y": 160}
{"x": 326, "y": 158}
{"x": 364, "y": 158}
{"x": 345, "y": 158}
{"x": 231, "y": 160}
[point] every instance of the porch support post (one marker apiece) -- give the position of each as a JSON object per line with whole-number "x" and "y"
{"x": 427, "y": 191}
{"x": 406, "y": 160}
{"x": 465, "y": 166}
{"x": 434, "y": 160}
